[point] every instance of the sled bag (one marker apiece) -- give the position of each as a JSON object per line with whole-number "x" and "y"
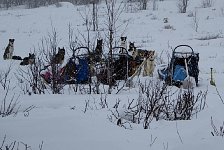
{"x": 82, "y": 71}
{"x": 179, "y": 73}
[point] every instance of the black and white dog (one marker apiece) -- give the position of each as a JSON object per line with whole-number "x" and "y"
{"x": 9, "y": 50}
{"x": 123, "y": 44}
{"x": 131, "y": 46}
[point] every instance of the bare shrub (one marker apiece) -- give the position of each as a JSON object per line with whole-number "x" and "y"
{"x": 94, "y": 104}
{"x": 148, "y": 105}
{"x": 157, "y": 101}
{"x": 131, "y": 6}
{"x": 195, "y": 21}
{"x": 217, "y": 131}
{"x": 4, "y": 77}
{"x": 95, "y": 15}
{"x": 86, "y": 106}
{"x": 210, "y": 36}
{"x": 160, "y": 59}
{"x": 17, "y": 145}
{"x": 154, "y": 5}
{"x": 103, "y": 101}
{"x": 9, "y": 106}
{"x": 182, "y": 5}
{"x": 187, "y": 105}
{"x": 151, "y": 101}
{"x": 144, "y": 4}
{"x": 29, "y": 78}
{"x": 117, "y": 118}
{"x": 207, "y": 3}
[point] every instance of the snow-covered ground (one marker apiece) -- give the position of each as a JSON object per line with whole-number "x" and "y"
{"x": 61, "y": 122}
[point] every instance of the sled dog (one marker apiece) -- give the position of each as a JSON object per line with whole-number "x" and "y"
{"x": 59, "y": 57}
{"x": 123, "y": 44}
{"x": 28, "y": 60}
{"x": 9, "y": 50}
{"x": 149, "y": 65}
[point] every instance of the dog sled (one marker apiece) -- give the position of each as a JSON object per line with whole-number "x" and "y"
{"x": 76, "y": 70}
{"x": 121, "y": 65}
{"x": 183, "y": 68}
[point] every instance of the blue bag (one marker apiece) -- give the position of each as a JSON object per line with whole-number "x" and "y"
{"x": 179, "y": 73}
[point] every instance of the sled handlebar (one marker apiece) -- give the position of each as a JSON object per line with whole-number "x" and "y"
{"x": 82, "y": 47}
{"x": 183, "y": 46}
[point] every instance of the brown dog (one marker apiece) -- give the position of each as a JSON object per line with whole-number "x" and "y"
{"x": 149, "y": 65}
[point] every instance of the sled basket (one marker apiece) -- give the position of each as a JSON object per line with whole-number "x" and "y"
{"x": 176, "y": 72}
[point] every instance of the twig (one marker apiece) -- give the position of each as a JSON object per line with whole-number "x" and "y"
{"x": 219, "y": 95}
{"x": 179, "y": 134}
{"x": 41, "y": 145}
{"x": 165, "y": 147}
{"x": 86, "y": 106}
{"x": 217, "y": 132}
{"x": 3, "y": 142}
{"x": 153, "y": 140}
{"x": 27, "y": 110}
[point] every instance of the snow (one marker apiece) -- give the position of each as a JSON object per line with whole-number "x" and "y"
{"x": 60, "y": 121}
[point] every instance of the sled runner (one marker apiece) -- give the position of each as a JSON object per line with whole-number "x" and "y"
{"x": 183, "y": 68}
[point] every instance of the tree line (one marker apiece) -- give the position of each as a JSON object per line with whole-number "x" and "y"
{"x": 38, "y": 3}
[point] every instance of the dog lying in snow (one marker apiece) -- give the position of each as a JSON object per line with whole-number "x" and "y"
{"x": 28, "y": 60}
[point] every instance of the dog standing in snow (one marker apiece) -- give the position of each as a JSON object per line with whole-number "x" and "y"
{"x": 149, "y": 65}
{"x": 9, "y": 50}
{"x": 124, "y": 45}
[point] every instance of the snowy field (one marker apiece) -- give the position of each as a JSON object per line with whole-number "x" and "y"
{"x": 64, "y": 122}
